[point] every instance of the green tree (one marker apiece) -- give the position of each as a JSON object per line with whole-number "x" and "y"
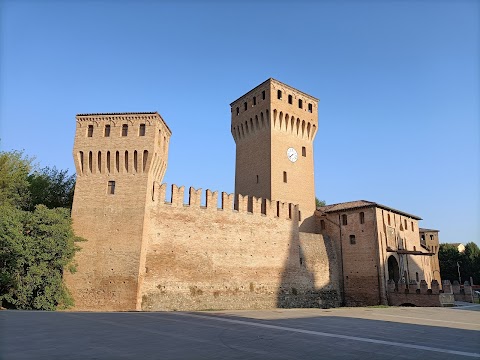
{"x": 319, "y": 203}
{"x": 51, "y": 187}
{"x": 448, "y": 256}
{"x": 35, "y": 246}
{"x": 471, "y": 263}
{"x": 14, "y": 170}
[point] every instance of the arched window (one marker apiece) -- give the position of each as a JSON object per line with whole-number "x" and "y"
{"x": 126, "y": 161}
{"x": 117, "y": 161}
{"x": 135, "y": 161}
{"x": 80, "y": 155}
{"x": 90, "y": 160}
{"x": 99, "y": 162}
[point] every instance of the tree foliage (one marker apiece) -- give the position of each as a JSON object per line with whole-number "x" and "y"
{"x": 469, "y": 261}
{"x": 35, "y": 246}
{"x": 319, "y": 202}
{"x": 14, "y": 170}
{"x": 51, "y": 187}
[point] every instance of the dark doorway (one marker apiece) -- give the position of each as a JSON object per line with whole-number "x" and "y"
{"x": 393, "y": 270}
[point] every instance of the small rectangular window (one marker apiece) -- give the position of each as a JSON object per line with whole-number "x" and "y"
{"x": 290, "y": 99}
{"x": 245, "y": 105}
{"x": 300, "y": 103}
{"x": 344, "y": 219}
{"x": 406, "y": 228}
{"x": 238, "y": 111}
{"x": 263, "y": 95}
{"x": 124, "y": 130}
{"x": 90, "y": 131}
{"x": 142, "y": 130}
{"x": 412, "y": 226}
{"x": 304, "y": 151}
{"x": 362, "y": 218}
{"x": 352, "y": 239}
{"x": 284, "y": 176}
{"x": 107, "y": 130}
{"x": 310, "y": 108}
{"x": 322, "y": 224}
{"x": 279, "y": 94}
{"x": 254, "y": 100}
{"x": 257, "y": 179}
{"x": 111, "y": 187}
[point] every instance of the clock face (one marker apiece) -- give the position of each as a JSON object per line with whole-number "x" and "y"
{"x": 292, "y": 154}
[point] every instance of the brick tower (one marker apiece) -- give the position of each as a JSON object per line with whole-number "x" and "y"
{"x": 118, "y": 157}
{"x": 274, "y": 126}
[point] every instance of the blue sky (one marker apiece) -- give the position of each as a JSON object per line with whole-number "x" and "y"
{"x": 398, "y": 84}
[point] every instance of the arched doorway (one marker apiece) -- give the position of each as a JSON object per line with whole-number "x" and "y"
{"x": 393, "y": 270}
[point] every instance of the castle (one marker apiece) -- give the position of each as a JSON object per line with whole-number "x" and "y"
{"x": 265, "y": 246}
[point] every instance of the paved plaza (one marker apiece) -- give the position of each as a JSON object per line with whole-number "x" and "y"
{"x": 343, "y": 333}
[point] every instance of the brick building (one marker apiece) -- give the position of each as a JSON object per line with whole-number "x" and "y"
{"x": 266, "y": 246}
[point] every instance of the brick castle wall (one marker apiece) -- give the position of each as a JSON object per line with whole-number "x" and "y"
{"x": 205, "y": 257}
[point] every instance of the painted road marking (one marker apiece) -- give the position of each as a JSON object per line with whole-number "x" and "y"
{"x": 338, "y": 336}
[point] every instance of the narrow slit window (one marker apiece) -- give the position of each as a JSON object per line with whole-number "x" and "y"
{"x": 108, "y": 161}
{"x": 135, "y": 159}
{"x": 417, "y": 277}
{"x": 290, "y": 99}
{"x": 107, "y": 131}
{"x": 145, "y": 160}
{"x": 344, "y": 219}
{"x": 117, "y": 161}
{"x": 99, "y": 165}
{"x": 81, "y": 161}
{"x": 257, "y": 179}
{"x": 362, "y": 218}
{"x": 90, "y": 131}
{"x": 310, "y": 108}
{"x": 300, "y": 103}
{"x": 90, "y": 160}
{"x": 352, "y": 239}
{"x": 411, "y": 223}
{"x": 263, "y": 95}
{"x": 245, "y": 105}
{"x": 406, "y": 227}
{"x": 284, "y": 176}
{"x": 279, "y": 94}
{"x": 299, "y": 215}
{"x": 254, "y": 100}
{"x": 126, "y": 161}
{"x": 142, "y": 130}
{"x": 304, "y": 151}
{"x": 111, "y": 187}
{"x": 124, "y": 130}
{"x": 388, "y": 218}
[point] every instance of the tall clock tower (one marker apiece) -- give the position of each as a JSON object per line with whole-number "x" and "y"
{"x": 274, "y": 126}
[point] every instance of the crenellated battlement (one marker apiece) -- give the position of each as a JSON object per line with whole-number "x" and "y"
{"x": 421, "y": 295}
{"x": 228, "y": 202}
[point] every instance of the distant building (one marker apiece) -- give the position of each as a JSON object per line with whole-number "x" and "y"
{"x": 460, "y": 247}
{"x": 429, "y": 240}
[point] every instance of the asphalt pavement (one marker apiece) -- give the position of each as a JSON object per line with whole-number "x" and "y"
{"x": 343, "y": 333}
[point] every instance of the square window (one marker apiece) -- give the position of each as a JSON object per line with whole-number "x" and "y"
{"x": 90, "y": 131}
{"x": 111, "y": 187}
{"x": 352, "y": 239}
